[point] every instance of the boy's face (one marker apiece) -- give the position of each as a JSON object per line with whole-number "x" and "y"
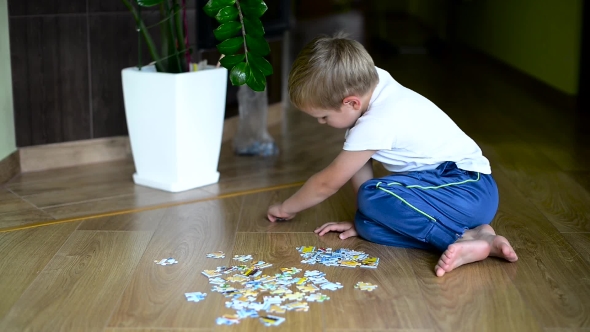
{"x": 345, "y": 117}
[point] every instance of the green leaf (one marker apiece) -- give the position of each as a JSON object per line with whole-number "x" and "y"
{"x": 149, "y": 3}
{"x": 253, "y": 8}
{"x": 256, "y": 81}
{"x": 257, "y": 45}
{"x": 227, "y": 14}
{"x": 254, "y": 27}
{"x": 240, "y": 74}
{"x": 260, "y": 63}
{"x": 214, "y": 6}
{"x": 231, "y": 60}
{"x": 227, "y": 30}
{"x": 230, "y": 46}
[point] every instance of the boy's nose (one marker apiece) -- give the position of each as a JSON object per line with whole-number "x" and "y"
{"x": 321, "y": 120}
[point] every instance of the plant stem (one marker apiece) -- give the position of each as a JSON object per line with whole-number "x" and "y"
{"x": 162, "y": 21}
{"x": 243, "y": 29}
{"x": 139, "y": 41}
{"x": 148, "y": 38}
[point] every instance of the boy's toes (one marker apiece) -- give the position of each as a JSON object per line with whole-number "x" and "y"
{"x": 509, "y": 254}
{"x": 446, "y": 258}
{"x": 439, "y": 271}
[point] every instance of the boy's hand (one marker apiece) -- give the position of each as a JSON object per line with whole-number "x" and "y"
{"x": 276, "y": 213}
{"x": 347, "y": 229}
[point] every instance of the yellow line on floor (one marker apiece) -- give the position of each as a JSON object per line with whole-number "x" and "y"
{"x": 148, "y": 208}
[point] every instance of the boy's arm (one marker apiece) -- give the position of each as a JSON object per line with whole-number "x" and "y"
{"x": 363, "y": 175}
{"x": 322, "y": 184}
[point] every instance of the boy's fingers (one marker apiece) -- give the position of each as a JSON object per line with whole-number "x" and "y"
{"x": 323, "y": 226}
{"x": 347, "y": 234}
{"x": 333, "y": 227}
{"x": 327, "y": 230}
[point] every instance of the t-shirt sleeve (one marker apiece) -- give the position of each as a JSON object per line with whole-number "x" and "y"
{"x": 369, "y": 133}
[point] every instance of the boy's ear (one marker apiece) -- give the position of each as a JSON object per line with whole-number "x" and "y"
{"x": 354, "y": 102}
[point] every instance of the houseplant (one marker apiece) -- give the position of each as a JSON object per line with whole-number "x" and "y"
{"x": 174, "y": 112}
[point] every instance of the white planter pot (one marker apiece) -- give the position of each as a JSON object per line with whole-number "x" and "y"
{"x": 175, "y": 124}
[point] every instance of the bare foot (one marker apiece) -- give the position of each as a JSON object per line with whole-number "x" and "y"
{"x": 476, "y": 244}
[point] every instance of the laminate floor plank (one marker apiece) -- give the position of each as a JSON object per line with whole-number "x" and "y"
{"x": 91, "y": 173}
{"x": 128, "y": 202}
{"x": 254, "y": 217}
{"x": 473, "y": 297}
{"x": 155, "y": 295}
{"x": 396, "y": 303}
{"x": 379, "y": 330}
{"x": 338, "y": 207}
{"x": 547, "y": 274}
{"x": 56, "y": 196}
{"x": 114, "y": 329}
{"x": 11, "y": 203}
{"x": 581, "y": 242}
{"x": 23, "y": 217}
{"x": 131, "y": 222}
{"x": 560, "y": 198}
{"x": 23, "y": 255}
{"x": 582, "y": 178}
{"x": 80, "y": 286}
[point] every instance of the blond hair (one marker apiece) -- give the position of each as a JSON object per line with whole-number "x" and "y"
{"x": 329, "y": 69}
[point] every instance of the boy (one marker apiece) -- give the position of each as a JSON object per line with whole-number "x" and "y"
{"x": 440, "y": 194}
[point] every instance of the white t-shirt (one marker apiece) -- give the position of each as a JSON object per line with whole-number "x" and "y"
{"x": 410, "y": 133}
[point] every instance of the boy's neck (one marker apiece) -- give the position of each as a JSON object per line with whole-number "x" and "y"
{"x": 366, "y": 99}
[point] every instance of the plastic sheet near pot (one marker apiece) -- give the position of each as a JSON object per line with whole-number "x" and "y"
{"x": 253, "y": 138}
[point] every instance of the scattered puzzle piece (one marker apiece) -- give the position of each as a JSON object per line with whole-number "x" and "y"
{"x": 306, "y": 249}
{"x": 238, "y": 278}
{"x": 166, "y": 261}
{"x": 331, "y": 286}
{"x": 228, "y": 320}
{"x": 276, "y": 309}
{"x": 195, "y": 296}
{"x": 243, "y": 258}
{"x": 317, "y": 297}
{"x": 350, "y": 263}
{"x": 270, "y": 320}
{"x": 298, "y": 296}
{"x": 365, "y": 286}
{"x": 210, "y": 273}
{"x": 308, "y": 288}
{"x": 290, "y": 270}
{"x": 217, "y": 254}
{"x": 247, "y": 313}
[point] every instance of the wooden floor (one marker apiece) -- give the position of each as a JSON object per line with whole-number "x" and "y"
{"x": 95, "y": 272}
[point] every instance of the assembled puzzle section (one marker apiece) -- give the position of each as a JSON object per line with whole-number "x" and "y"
{"x": 252, "y": 292}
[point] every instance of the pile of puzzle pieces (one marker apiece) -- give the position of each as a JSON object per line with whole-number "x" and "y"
{"x": 250, "y": 291}
{"x": 340, "y": 257}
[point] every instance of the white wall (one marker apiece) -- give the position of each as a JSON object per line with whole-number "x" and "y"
{"x": 7, "y": 138}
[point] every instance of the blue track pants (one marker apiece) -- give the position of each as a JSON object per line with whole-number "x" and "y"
{"x": 426, "y": 209}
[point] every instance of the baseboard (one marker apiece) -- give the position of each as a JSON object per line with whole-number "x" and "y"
{"x": 9, "y": 167}
{"x": 77, "y": 153}
{"x": 59, "y": 155}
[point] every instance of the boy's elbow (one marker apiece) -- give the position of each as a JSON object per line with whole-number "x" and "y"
{"x": 324, "y": 186}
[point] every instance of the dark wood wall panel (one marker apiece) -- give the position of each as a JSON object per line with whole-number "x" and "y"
{"x": 113, "y": 46}
{"x": 50, "y": 79}
{"x": 45, "y": 7}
